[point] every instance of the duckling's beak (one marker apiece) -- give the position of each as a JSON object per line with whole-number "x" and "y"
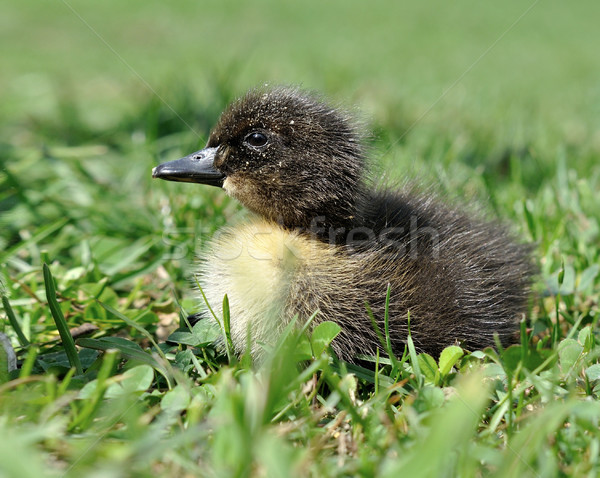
{"x": 197, "y": 167}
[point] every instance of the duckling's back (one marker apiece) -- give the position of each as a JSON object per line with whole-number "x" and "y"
{"x": 465, "y": 279}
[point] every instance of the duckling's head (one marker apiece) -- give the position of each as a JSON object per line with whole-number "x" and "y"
{"x": 284, "y": 154}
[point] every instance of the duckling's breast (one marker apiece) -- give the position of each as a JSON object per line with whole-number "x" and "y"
{"x": 258, "y": 265}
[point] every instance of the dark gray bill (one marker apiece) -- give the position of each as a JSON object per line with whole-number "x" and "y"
{"x": 197, "y": 167}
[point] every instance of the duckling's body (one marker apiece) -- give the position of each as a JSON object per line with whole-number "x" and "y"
{"x": 324, "y": 240}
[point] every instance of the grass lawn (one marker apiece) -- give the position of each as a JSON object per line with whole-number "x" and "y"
{"x": 494, "y": 105}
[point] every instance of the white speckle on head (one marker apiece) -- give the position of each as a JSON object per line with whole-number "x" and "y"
{"x": 292, "y": 122}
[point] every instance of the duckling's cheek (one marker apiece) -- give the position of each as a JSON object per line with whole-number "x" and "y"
{"x": 229, "y": 187}
{"x": 237, "y": 188}
{"x": 248, "y": 192}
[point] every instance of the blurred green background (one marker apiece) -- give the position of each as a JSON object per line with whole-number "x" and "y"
{"x": 523, "y": 71}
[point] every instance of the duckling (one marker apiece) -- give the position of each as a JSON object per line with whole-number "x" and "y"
{"x": 325, "y": 238}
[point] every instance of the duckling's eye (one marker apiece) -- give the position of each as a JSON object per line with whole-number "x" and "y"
{"x": 256, "y": 139}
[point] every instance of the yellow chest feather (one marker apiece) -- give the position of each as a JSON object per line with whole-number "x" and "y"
{"x": 257, "y": 265}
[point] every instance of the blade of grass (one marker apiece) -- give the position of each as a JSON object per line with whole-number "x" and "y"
{"x": 90, "y": 406}
{"x": 386, "y": 323}
{"x": 135, "y": 325}
{"x": 385, "y": 341}
{"x": 27, "y": 366}
{"x": 132, "y": 352}
{"x": 14, "y": 322}
{"x": 59, "y": 320}
{"x": 163, "y": 369}
{"x": 8, "y": 360}
{"x": 371, "y": 316}
{"x": 42, "y": 233}
{"x": 413, "y": 355}
{"x": 212, "y": 312}
{"x": 227, "y": 330}
{"x": 129, "y": 256}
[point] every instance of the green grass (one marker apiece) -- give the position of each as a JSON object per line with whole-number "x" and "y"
{"x": 475, "y": 100}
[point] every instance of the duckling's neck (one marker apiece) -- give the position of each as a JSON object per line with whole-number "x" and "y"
{"x": 352, "y": 218}
{"x": 330, "y": 222}
{"x": 371, "y": 216}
